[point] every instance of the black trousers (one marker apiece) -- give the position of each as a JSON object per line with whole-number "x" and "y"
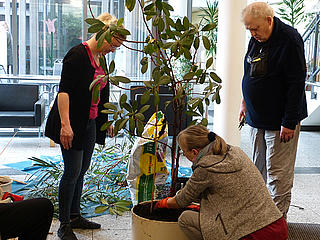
{"x": 29, "y": 219}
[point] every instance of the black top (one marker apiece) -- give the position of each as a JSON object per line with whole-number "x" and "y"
{"x": 76, "y": 77}
{"x": 274, "y": 80}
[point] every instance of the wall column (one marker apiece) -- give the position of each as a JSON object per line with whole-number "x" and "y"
{"x": 230, "y": 55}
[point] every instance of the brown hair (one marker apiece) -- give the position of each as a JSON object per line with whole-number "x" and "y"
{"x": 196, "y": 137}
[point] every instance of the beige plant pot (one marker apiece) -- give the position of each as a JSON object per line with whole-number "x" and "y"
{"x": 146, "y": 229}
{"x": 5, "y": 183}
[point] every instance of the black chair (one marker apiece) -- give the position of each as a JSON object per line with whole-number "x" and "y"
{"x": 165, "y": 95}
{"x": 20, "y": 106}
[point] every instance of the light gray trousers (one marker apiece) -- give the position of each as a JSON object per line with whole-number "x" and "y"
{"x": 189, "y": 223}
{"x": 275, "y": 160}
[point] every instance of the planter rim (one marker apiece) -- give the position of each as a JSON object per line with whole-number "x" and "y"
{"x": 143, "y": 218}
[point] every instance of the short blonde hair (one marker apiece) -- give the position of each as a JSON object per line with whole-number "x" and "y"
{"x": 108, "y": 19}
{"x": 258, "y": 10}
{"x": 196, "y": 137}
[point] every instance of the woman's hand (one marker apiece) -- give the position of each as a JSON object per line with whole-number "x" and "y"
{"x": 66, "y": 136}
{"x": 111, "y": 131}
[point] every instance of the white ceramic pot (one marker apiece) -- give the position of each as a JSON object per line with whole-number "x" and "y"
{"x": 5, "y": 183}
{"x": 146, "y": 229}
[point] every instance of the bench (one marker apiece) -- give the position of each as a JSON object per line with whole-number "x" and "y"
{"x": 20, "y": 106}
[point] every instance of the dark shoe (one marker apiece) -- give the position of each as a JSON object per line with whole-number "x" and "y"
{"x": 65, "y": 232}
{"x": 83, "y": 223}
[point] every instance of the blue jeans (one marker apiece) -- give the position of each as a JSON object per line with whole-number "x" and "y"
{"x": 76, "y": 163}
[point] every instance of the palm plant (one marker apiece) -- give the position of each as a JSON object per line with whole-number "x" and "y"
{"x": 210, "y": 15}
{"x": 292, "y": 11}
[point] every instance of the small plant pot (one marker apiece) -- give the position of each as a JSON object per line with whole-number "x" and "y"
{"x": 5, "y": 183}
{"x": 161, "y": 224}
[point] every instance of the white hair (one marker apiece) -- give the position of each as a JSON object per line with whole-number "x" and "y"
{"x": 258, "y": 10}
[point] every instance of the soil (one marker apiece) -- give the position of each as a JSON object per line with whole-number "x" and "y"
{"x": 160, "y": 214}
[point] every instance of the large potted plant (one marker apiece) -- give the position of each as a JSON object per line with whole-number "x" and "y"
{"x": 167, "y": 40}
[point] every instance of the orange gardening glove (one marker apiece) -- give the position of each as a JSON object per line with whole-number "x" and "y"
{"x": 14, "y": 197}
{"x": 162, "y": 203}
{"x": 195, "y": 207}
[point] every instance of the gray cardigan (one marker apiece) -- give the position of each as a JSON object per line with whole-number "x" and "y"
{"x": 234, "y": 199}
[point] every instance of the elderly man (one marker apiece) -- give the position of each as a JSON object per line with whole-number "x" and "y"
{"x": 274, "y": 99}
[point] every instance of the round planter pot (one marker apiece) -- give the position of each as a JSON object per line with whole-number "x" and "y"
{"x": 146, "y": 229}
{"x": 5, "y": 183}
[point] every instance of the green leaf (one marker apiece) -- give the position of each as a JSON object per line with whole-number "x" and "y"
{"x": 123, "y": 123}
{"x": 155, "y": 21}
{"x": 145, "y": 97}
{"x": 206, "y": 42}
{"x": 161, "y": 25}
{"x": 94, "y": 82}
{"x": 144, "y": 108}
{"x": 103, "y": 64}
{"x": 123, "y": 203}
{"x": 110, "y": 106}
{"x": 123, "y": 99}
{"x": 215, "y": 77}
{"x": 193, "y": 113}
{"x": 96, "y": 93}
{"x": 218, "y": 99}
{"x": 204, "y": 122}
{"x": 144, "y": 68}
{"x": 107, "y": 111}
{"x": 196, "y": 43}
{"x": 186, "y": 23}
{"x": 120, "y": 22}
{"x": 203, "y": 78}
{"x": 106, "y": 125}
{"x": 122, "y": 79}
{"x": 122, "y": 31}
{"x": 164, "y": 80}
{"x": 108, "y": 36}
{"x": 104, "y": 201}
{"x": 140, "y": 127}
{"x": 200, "y": 107}
{"x": 100, "y": 209}
{"x": 132, "y": 125}
{"x": 92, "y": 21}
{"x": 187, "y": 53}
{"x": 209, "y": 27}
{"x": 209, "y": 62}
{"x": 167, "y": 6}
{"x": 159, "y": 4}
{"x": 140, "y": 116}
{"x": 101, "y": 40}
{"x": 179, "y": 25}
{"x": 207, "y": 101}
{"x": 95, "y": 28}
{"x": 189, "y": 76}
{"x": 111, "y": 67}
{"x": 149, "y": 7}
{"x": 130, "y": 4}
{"x": 114, "y": 81}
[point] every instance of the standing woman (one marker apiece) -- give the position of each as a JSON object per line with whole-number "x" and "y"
{"x": 234, "y": 201}
{"x": 74, "y": 122}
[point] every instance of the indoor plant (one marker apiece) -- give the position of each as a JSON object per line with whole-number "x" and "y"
{"x": 167, "y": 40}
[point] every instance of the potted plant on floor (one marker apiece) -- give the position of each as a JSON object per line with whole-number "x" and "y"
{"x": 167, "y": 40}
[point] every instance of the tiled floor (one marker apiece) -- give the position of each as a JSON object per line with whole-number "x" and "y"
{"x": 305, "y": 201}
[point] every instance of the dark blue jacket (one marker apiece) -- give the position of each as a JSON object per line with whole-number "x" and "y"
{"x": 273, "y": 83}
{"x": 76, "y": 77}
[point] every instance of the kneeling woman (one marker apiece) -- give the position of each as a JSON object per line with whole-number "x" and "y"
{"x": 234, "y": 201}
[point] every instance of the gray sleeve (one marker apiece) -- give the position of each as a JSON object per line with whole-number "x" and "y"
{"x": 198, "y": 182}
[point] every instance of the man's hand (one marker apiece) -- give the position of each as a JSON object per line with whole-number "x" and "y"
{"x": 162, "y": 203}
{"x": 286, "y": 134}
{"x": 66, "y": 136}
{"x": 242, "y": 114}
